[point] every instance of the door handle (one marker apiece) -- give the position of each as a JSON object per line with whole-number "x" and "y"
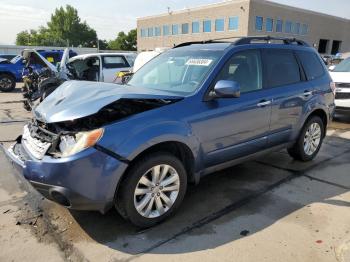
{"x": 264, "y": 103}
{"x": 308, "y": 93}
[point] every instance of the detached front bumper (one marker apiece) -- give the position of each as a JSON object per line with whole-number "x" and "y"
{"x": 85, "y": 181}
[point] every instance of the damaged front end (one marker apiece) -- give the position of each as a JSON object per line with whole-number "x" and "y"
{"x": 66, "y": 138}
{"x": 59, "y": 149}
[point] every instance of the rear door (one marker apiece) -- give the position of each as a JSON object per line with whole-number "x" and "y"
{"x": 113, "y": 64}
{"x": 289, "y": 92}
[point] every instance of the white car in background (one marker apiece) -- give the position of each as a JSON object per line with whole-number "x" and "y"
{"x": 99, "y": 67}
{"x": 341, "y": 77}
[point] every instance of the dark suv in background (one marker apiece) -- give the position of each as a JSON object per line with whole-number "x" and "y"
{"x": 195, "y": 109}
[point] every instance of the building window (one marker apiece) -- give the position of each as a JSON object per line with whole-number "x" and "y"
{"x": 175, "y": 29}
{"x": 304, "y": 29}
{"x": 220, "y": 25}
{"x": 184, "y": 28}
{"x": 195, "y": 27}
{"x": 296, "y": 28}
{"x": 157, "y": 31}
{"x": 279, "y": 26}
{"x": 143, "y": 32}
{"x": 150, "y": 32}
{"x": 259, "y": 23}
{"x": 269, "y": 25}
{"x": 233, "y": 23}
{"x": 165, "y": 30}
{"x": 288, "y": 27}
{"x": 207, "y": 26}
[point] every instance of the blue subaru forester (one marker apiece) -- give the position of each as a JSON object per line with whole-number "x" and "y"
{"x": 195, "y": 109}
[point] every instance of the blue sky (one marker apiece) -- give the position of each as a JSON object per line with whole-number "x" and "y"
{"x": 108, "y": 17}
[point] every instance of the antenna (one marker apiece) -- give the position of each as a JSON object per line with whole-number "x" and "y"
{"x": 169, "y": 12}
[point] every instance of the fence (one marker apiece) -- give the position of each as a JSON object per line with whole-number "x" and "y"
{"x": 17, "y": 50}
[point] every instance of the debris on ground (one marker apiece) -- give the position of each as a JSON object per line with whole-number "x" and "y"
{"x": 244, "y": 233}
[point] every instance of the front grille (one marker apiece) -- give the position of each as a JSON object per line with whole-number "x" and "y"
{"x": 35, "y": 146}
{"x": 342, "y": 85}
{"x": 342, "y": 96}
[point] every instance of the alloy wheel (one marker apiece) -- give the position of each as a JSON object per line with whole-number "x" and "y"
{"x": 156, "y": 191}
{"x": 312, "y": 139}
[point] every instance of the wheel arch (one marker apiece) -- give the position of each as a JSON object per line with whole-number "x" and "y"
{"x": 179, "y": 149}
{"x": 9, "y": 74}
{"x": 321, "y": 114}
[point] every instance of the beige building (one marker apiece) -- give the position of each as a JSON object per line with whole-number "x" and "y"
{"x": 235, "y": 18}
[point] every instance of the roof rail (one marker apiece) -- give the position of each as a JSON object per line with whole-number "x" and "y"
{"x": 246, "y": 40}
{"x": 216, "y": 40}
{"x": 287, "y": 41}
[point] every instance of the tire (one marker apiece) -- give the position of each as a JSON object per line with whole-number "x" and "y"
{"x": 127, "y": 199}
{"x": 7, "y": 83}
{"x": 299, "y": 150}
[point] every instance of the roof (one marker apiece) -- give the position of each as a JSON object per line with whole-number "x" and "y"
{"x": 101, "y": 54}
{"x": 200, "y": 7}
{"x": 230, "y": 2}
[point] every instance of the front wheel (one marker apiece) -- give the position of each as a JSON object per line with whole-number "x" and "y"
{"x": 153, "y": 189}
{"x": 7, "y": 83}
{"x": 309, "y": 141}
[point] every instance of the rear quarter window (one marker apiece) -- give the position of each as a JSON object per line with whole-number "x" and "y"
{"x": 281, "y": 68}
{"x": 311, "y": 64}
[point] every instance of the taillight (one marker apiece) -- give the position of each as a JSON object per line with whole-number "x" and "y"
{"x": 333, "y": 87}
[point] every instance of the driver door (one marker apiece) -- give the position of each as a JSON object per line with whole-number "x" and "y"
{"x": 236, "y": 127}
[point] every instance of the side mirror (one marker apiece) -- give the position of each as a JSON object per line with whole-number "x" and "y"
{"x": 226, "y": 89}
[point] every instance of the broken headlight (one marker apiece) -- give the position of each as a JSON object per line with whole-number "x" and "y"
{"x": 72, "y": 144}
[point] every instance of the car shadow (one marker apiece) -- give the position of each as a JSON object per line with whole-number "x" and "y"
{"x": 227, "y": 198}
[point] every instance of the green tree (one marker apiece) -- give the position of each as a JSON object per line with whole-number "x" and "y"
{"x": 23, "y": 38}
{"x": 127, "y": 42}
{"x": 66, "y": 24}
{"x": 65, "y": 27}
{"x": 103, "y": 45}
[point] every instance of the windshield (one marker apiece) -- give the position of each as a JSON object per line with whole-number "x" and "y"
{"x": 181, "y": 71}
{"x": 16, "y": 59}
{"x": 344, "y": 66}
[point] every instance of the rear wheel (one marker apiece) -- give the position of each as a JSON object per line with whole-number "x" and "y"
{"x": 153, "y": 189}
{"x": 310, "y": 140}
{"x": 7, "y": 83}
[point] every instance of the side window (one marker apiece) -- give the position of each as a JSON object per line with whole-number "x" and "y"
{"x": 311, "y": 64}
{"x": 114, "y": 62}
{"x": 281, "y": 68}
{"x": 245, "y": 68}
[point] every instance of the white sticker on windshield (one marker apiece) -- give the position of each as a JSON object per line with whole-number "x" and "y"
{"x": 199, "y": 62}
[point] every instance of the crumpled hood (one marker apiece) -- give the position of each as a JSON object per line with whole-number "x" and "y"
{"x": 77, "y": 99}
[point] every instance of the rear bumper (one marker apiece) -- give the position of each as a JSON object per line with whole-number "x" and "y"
{"x": 86, "y": 181}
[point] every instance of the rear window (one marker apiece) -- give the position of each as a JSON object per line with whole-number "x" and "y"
{"x": 311, "y": 64}
{"x": 281, "y": 68}
{"x": 114, "y": 62}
